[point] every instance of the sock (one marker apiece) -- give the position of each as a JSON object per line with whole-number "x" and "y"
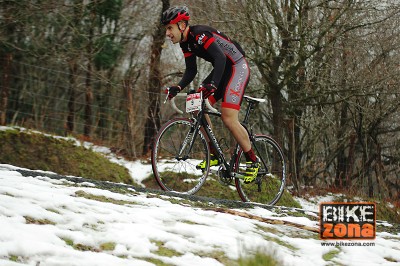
{"x": 212, "y": 149}
{"x": 250, "y": 156}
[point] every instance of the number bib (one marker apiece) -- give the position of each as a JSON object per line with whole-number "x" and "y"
{"x": 193, "y": 102}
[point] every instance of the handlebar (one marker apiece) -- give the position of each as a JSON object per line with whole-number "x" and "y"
{"x": 179, "y": 111}
{"x": 210, "y": 108}
{"x": 173, "y": 105}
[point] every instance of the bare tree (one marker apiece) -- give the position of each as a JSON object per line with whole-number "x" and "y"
{"x": 306, "y": 54}
{"x": 153, "y": 112}
{"x": 8, "y": 25}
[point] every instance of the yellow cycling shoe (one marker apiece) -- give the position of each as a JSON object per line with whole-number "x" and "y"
{"x": 251, "y": 171}
{"x": 213, "y": 162}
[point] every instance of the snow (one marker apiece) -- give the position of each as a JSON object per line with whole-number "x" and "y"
{"x": 136, "y": 227}
{"x": 43, "y": 220}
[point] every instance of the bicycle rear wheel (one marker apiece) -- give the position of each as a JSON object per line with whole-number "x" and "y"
{"x": 174, "y": 165}
{"x": 270, "y": 182}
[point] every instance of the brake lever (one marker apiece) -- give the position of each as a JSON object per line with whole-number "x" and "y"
{"x": 166, "y": 98}
{"x": 172, "y": 101}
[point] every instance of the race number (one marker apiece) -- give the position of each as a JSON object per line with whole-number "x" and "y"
{"x": 193, "y": 102}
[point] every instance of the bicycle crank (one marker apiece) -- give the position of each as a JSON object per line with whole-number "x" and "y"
{"x": 224, "y": 177}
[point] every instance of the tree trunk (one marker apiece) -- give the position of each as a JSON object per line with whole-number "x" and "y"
{"x": 154, "y": 86}
{"x": 73, "y": 67}
{"x": 342, "y": 160}
{"x": 105, "y": 115}
{"x": 88, "y": 103}
{"x": 130, "y": 119}
{"x": 88, "y": 84}
{"x": 5, "y": 88}
{"x": 291, "y": 155}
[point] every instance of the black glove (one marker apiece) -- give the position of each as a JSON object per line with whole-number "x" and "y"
{"x": 207, "y": 90}
{"x": 172, "y": 91}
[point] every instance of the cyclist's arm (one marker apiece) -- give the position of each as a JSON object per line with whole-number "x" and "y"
{"x": 219, "y": 62}
{"x": 190, "y": 72}
{"x": 209, "y": 78}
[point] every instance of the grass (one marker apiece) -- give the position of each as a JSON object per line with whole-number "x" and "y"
{"x": 214, "y": 189}
{"x": 83, "y": 194}
{"x": 165, "y": 252}
{"x": 329, "y": 256}
{"x": 30, "y": 220}
{"x": 384, "y": 212}
{"x": 38, "y": 151}
{"x": 260, "y": 258}
{"x": 80, "y": 247}
{"x": 387, "y": 213}
{"x": 108, "y": 246}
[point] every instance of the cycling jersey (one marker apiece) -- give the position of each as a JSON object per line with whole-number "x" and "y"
{"x": 231, "y": 72}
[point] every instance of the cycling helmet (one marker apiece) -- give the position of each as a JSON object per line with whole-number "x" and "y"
{"x": 175, "y": 14}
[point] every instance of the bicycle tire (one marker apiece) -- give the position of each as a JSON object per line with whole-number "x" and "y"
{"x": 171, "y": 172}
{"x": 272, "y": 172}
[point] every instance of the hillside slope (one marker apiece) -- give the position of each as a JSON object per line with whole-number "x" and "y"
{"x": 35, "y": 150}
{"x": 48, "y": 219}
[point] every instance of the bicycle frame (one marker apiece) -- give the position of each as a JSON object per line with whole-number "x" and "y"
{"x": 201, "y": 122}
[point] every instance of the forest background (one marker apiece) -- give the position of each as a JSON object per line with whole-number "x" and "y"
{"x": 330, "y": 71}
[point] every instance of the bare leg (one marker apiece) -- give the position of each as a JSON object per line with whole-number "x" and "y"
{"x": 230, "y": 117}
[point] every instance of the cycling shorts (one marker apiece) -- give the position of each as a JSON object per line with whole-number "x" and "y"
{"x": 233, "y": 84}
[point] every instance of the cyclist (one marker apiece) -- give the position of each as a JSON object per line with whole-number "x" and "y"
{"x": 226, "y": 82}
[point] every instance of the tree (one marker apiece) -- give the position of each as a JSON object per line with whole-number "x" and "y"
{"x": 154, "y": 86}
{"x": 8, "y": 24}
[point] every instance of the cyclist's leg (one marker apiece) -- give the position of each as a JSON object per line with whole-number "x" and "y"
{"x": 231, "y": 121}
{"x": 230, "y": 115}
{"x": 232, "y": 99}
{"x": 271, "y": 178}
{"x": 218, "y": 95}
{"x": 230, "y": 118}
{"x": 214, "y": 160}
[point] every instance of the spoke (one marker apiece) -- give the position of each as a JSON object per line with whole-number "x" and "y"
{"x": 176, "y": 174}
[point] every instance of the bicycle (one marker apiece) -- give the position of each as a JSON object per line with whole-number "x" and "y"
{"x": 181, "y": 144}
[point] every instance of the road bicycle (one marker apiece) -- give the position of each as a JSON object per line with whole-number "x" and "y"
{"x": 182, "y": 143}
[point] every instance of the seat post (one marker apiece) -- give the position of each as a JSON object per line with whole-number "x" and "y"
{"x": 248, "y": 110}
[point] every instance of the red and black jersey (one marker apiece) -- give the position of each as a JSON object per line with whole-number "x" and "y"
{"x": 211, "y": 45}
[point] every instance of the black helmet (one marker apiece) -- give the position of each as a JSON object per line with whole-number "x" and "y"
{"x": 175, "y": 14}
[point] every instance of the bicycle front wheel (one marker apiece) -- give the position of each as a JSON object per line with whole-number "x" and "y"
{"x": 174, "y": 159}
{"x": 270, "y": 182}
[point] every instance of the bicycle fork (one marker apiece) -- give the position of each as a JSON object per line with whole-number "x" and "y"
{"x": 189, "y": 139}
